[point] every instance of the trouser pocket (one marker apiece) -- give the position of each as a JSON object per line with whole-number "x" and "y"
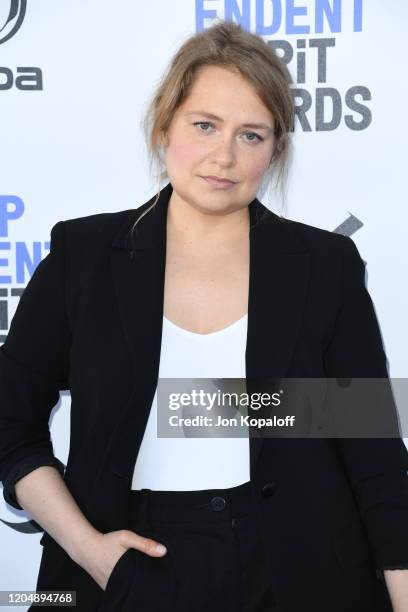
{"x": 116, "y": 587}
{"x": 141, "y": 582}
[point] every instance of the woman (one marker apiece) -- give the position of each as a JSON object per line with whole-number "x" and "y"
{"x": 202, "y": 281}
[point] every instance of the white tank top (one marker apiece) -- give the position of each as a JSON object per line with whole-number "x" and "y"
{"x": 177, "y": 464}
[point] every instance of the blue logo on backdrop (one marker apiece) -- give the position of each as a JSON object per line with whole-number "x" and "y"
{"x": 14, "y": 19}
{"x": 327, "y": 15}
{"x": 27, "y": 256}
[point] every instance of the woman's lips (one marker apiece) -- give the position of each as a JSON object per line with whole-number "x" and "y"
{"x": 220, "y": 184}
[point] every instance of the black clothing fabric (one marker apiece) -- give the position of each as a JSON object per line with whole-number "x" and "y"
{"x": 214, "y": 559}
{"x": 90, "y": 321}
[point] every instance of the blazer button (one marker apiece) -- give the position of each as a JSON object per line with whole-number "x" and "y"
{"x": 268, "y": 489}
{"x": 218, "y": 503}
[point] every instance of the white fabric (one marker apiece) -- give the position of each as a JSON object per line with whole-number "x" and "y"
{"x": 177, "y": 464}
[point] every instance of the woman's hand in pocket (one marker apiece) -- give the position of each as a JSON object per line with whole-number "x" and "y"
{"x": 106, "y": 549}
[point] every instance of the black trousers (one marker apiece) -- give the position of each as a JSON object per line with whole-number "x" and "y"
{"x": 214, "y": 558}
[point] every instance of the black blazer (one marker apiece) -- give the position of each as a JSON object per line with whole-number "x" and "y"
{"x": 333, "y": 511}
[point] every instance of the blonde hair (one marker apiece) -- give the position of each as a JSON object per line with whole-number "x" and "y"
{"x": 225, "y": 44}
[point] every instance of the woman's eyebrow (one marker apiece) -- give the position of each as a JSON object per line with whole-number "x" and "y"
{"x": 264, "y": 126}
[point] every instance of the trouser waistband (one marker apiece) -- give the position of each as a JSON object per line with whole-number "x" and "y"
{"x": 209, "y": 505}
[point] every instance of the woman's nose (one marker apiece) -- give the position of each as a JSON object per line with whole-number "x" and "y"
{"x": 224, "y": 152}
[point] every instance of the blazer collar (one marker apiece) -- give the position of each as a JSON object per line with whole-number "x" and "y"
{"x": 151, "y": 230}
{"x": 279, "y": 273}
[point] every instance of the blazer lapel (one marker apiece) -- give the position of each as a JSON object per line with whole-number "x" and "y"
{"x": 279, "y": 268}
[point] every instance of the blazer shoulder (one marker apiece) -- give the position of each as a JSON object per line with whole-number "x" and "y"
{"x": 319, "y": 240}
{"x": 98, "y": 227}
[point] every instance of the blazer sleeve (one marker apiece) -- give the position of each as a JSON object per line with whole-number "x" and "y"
{"x": 34, "y": 367}
{"x": 376, "y": 467}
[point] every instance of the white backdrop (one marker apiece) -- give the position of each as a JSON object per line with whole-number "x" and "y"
{"x": 74, "y": 146}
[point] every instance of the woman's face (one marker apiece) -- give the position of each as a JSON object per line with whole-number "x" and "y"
{"x": 226, "y": 144}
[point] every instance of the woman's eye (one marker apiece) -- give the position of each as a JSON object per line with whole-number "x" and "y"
{"x": 202, "y": 123}
{"x": 256, "y": 139}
